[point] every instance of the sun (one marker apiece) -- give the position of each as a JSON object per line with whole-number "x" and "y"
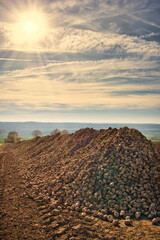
{"x": 30, "y": 28}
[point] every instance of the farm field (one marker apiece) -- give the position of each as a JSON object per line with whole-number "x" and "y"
{"x": 48, "y": 186}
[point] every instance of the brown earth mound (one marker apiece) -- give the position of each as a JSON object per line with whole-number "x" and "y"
{"x": 91, "y": 170}
{"x": 103, "y": 174}
{"x": 157, "y": 147}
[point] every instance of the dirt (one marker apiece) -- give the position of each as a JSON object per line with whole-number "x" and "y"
{"x": 24, "y": 216}
{"x": 157, "y": 146}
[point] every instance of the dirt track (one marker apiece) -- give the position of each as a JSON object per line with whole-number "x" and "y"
{"x": 24, "y": 218}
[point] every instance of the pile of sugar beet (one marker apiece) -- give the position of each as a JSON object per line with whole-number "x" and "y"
{"x": 107, "y": 173}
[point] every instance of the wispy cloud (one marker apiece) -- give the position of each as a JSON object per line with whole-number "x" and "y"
{"x": 82, "y": 85}
{"x": 77, "y": 40}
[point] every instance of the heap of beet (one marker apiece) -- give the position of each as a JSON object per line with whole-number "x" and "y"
{"x": 102, "y": 173}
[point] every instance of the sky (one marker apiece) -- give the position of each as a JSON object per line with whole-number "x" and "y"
{"x": 80, "y": 61}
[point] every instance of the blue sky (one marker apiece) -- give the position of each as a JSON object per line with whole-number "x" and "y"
{"x": 83, "y": 61}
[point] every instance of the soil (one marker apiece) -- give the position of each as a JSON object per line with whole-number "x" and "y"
{"x": 22, "y": 217}
{"x": 157, "y": 146}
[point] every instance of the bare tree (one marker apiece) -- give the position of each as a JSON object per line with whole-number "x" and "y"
{"x": 13, "y": 134}
{"x": 55, "y": 131}
{"x": 12, "y": 137}
{"x": 36, "y": 133}
{"x": 63, "y": 132}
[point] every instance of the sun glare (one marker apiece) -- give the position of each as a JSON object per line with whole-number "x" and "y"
{"x": 30, "y": 28}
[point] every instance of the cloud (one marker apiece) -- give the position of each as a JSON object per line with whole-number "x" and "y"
{"x": 95, "y": 26}
{"x": 94, "y": 70}
{"x": 82, "y": 85}
{"x": 97, "y": 55}
{"x": 77, "y": 41}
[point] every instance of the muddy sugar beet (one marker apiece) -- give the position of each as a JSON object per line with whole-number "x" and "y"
{"x": 109, "y": 173}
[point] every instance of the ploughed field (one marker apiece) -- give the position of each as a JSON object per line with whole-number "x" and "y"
{"x": 87, "y": 185}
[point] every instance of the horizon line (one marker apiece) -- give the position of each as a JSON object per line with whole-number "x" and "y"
{"x": 79, "y": 122}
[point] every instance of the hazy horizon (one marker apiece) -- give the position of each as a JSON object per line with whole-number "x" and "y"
{"x": 88, "y": 61}
{"x": 147, "y": 123}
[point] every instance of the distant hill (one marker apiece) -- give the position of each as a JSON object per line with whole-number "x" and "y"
{"x": 25, "y": 129}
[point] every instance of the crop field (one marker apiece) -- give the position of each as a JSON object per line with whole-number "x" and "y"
{"x": 153, "y": 136}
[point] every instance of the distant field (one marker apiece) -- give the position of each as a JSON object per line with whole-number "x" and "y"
{"x": 153, "y": 136}
{"x": 1, "y": 140}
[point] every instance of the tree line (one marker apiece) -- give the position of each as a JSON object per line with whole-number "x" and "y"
{"x": 13, "y": 136}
